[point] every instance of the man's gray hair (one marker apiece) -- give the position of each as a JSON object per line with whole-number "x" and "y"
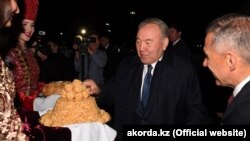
{"x": 233, "y": 31}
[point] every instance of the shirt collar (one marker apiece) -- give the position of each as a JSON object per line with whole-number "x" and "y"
{"x": 153, "y": 64}
{"x": 238, "y": 88}
{"x": 176, "y": 41}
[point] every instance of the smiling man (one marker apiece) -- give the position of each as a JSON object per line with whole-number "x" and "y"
{"x": 173, "y": 93}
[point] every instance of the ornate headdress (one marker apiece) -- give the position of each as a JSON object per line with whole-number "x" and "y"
{"x": 30, "y": 9}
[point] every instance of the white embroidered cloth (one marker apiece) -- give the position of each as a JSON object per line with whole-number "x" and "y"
{"x": 93, "y": 131}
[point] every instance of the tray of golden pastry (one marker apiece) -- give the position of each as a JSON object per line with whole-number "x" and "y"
{"x": 75, "y": 105}
{"x": 54, "y": 88}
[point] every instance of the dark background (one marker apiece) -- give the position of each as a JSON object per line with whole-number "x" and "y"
{"x": 70, "y": 16}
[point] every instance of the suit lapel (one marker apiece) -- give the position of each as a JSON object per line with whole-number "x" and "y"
{"x": 134, "y": 92}
{"x": 156, "y": 83}
{"x": 239, "y": 97}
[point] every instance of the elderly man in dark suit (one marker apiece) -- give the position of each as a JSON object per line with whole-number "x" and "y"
{"x": 227, "y": 49}
{"x": 174, "y": 94}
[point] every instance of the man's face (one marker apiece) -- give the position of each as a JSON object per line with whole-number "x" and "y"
{"x": 174, "y": 34}
{"x": 150, "y": 44}
{"x": 216, "y": 62}
{"x": 94, "y": 45}
{"x": 104, "y": 41}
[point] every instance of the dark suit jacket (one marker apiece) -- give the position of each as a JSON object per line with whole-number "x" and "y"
{"x": 238, "y": 112}
{"x": 181, "y": 49}
{"x": 112, "y": 62}
{"x": 175, "y": 96}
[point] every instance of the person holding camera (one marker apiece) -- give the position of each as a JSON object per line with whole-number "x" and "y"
{"x": 153, "y": 88}
{"x": 90, "y": 60}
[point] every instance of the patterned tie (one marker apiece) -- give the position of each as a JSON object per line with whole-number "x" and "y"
{"x": 230, "y": 99}
{"x": 146, "y": 86}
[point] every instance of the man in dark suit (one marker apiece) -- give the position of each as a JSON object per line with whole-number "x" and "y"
{"x": 174, "y": 95}
{"x": 112, "y": 55}
{"x": 178, "y": 46}
{"x": 227, "y": 44}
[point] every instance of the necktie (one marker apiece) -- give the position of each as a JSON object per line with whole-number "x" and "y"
{"x": 146, "y": 86}
{"x": 230, "y": 99}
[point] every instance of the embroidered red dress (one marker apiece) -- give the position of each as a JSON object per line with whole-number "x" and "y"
{"x": 26, "y": 73}
{"x": 10, "y": 122}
